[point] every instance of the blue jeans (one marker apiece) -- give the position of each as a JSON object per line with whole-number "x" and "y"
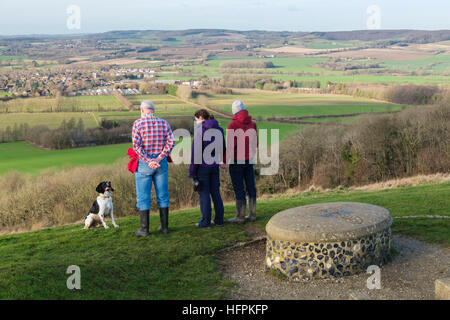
{"x": 209, "y": 178}
{"x": 240, "y": 174}
{"x": 145, "y": 176}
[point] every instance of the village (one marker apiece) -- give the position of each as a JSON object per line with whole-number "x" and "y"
{"x": 82, "y": 82}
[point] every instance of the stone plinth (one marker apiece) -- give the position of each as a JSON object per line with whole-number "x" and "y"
{"x": 442, "y": 289}
{"x": 328, "y": 240}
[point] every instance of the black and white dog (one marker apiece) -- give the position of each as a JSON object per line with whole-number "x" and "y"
{"x": 101, "y": 207}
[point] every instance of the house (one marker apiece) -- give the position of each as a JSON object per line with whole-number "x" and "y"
{"x": 197, "y": 83}
{"x": 168, "y": 81}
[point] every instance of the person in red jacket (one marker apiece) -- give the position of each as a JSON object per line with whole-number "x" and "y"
{"x": 242, "y": 142}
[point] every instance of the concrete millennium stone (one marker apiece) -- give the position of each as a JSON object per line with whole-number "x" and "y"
{"x": 442, "y": 289}
{"x": 328, "y": 240}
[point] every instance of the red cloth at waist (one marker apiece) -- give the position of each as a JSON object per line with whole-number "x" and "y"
{"x": 134, "y": 160}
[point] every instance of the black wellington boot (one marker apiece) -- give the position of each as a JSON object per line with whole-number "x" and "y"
{"x": 164, "y": 217}
{"x": 145, "y": 220}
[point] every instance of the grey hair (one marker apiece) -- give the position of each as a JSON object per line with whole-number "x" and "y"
{"x": 148, "y": 104}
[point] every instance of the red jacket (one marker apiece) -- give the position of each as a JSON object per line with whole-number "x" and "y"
{"x": 133, "y": 164}
{"x": 246, "y": 149}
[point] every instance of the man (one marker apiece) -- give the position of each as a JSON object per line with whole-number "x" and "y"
{"x": 242, "y": 142}
{"x": 153, "y": 141}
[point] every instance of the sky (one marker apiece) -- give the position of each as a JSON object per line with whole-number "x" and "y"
{"x": 91, "y": 16}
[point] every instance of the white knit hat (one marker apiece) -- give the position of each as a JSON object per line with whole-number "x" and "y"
{"x": 148, "y": 104}
{"x": 237, "y": 106}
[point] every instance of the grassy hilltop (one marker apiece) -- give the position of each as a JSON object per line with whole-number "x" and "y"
{"x": 117, "y": 265}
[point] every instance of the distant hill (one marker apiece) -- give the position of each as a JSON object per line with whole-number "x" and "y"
{"x": 412, "y": 36}
{"x": 409, "y": 36}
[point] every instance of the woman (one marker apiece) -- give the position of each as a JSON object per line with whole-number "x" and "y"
{"x": 204, "y": 167}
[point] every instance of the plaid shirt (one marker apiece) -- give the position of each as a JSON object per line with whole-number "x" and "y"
{"x": 152, "y": 136}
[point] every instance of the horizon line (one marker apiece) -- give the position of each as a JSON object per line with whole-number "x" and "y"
{"x": 212, "y": 29}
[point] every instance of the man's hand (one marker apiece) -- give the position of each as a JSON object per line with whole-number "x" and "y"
{"x": 154, "y": 164}
{"x": 223, "y": 166}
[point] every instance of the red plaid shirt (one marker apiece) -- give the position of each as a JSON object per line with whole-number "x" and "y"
{"x": 152, "y": 136}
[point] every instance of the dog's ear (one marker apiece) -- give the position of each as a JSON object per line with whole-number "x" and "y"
{"x": 100, "y": 188}
{"x": 110, "y": 185}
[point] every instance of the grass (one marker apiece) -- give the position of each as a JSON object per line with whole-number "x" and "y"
{"x": 289, "y": 69}
{"x": 284, "y": 129}
{"x": 4, "y": 57}
{"x": 90, "y": 119}
{"x": 65, "y": 104}
{"x": 165, "y": 105}
{"x": 39, "y": 104}
{"x": 292, "y": 99}
{"x": 27, "y": 158}
{"x": 283, "y": 65}
{"x": 266, "y": 111}
{"x": 91, "y": 103}
{"x": 261, "y": 104}
{"x": 368, "y": 78}
{"x": 156, "y": 98}
{"x": 181, "y": 265}
{"x": 436, "y": 64}
{"x": 51, "y": 120}
{"x": 36, "y": 111}
{"x": 268, "y": 104}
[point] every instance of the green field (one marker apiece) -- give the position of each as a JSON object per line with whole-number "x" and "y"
{"x": 165, "y": 105}
{"x": 4, "y": 57}
{"x": 24, "y": 157}
{"x": 91, "y": 119}
{"x": 259, "y": 97}
{"x": 305, "y": 69}
{"x": 36, "y": 111}
{"x": 284, "y": 129}
{"x": 52, "y": 120}
{"x": 437, "y": 64}
{"x": 327, "y": 44}
{"x": 90, "y": 103}
{"x": 365, "y": 79}
{"x": 41, "y": 104}
{"x": 64, "y": 104}
{"x": 266, "y": 104}
{"x": 182, "y": 264}
{"x": 158, "y": 99}
{"x": 266, "y": 111}
{"x": 285, "y": 65}
{"x": 260, "y": 104}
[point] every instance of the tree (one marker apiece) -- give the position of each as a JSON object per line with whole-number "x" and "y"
{"x": 71, "y": 124}
{"x": 80, "y": 125}
{"x": 144, "y": 87}
{"x": 8, "y": 133}
{"x": 63, "y": 125}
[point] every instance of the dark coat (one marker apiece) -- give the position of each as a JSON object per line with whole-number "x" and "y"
{"x": 198, "y": 134}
